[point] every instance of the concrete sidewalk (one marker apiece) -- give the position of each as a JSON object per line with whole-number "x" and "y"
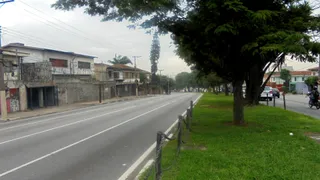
{"x": 63, "y": 108}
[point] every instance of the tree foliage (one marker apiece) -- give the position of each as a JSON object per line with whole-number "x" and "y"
{"x": 285, "y": 75}
{"x": 143, "y": 77}
{"x": 236, "y": 39}
{"x": 311, "y": 81}
{"x": 166, "y": 83}
{"x": 154, "y": 56}
{"x": 118, "y": 59}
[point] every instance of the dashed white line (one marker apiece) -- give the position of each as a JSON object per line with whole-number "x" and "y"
{"x": 65, "y": 125}
{"x": 78, "y": 142}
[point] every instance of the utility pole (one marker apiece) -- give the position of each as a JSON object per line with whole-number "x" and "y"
{"x": 160, "y": 70}
{"x": 135, "y": 73}
{"x": 3, "y": 97}
{"x": 168, "y": 85}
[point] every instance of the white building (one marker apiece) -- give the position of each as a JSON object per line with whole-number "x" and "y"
{"x": 62, "y": 62}
{"x": 296, "y": 76}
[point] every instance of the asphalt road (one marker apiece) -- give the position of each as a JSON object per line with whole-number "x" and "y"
{"x": 297, "y": 103}
{"x": 99, "y": 142}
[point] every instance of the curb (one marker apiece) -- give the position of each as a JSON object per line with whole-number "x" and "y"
{"x": 143, "y": 162}
{"x": 88, "y": 105}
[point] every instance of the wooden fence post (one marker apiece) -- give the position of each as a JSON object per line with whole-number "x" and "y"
{"x": 191, "y": 108}
{"x": 158, "y": 156}
{"x": 284, "y": 101}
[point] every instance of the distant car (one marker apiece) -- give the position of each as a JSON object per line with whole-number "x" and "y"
{"x": 267, "y": 93}
{"x": 276, "y": 92}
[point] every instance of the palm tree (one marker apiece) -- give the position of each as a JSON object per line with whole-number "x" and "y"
{"x": 118, "y": 59}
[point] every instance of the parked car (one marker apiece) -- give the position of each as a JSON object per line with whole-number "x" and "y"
{"x": 276, "y": 92}
{"x": 267, "y": 93}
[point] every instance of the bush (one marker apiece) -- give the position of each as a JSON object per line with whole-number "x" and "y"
{"x": 294, "y": 92}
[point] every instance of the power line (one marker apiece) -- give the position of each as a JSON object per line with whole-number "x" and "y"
{"x": 22, "y": 37}
{"x": 57, "y": 26}
{"x": 51, "y": 17}
{"x": 18, "y": 33}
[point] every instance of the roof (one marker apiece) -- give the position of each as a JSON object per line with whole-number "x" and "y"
{"x": 13, "y": 53}
{"x": 293, "y": 73}
{"x": 101, "y": 64}
{"x": 314, "y": 69}
{"x": 125, "y": 67}
{"x": 20, "y": 45}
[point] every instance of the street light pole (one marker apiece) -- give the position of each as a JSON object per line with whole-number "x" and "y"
{"x": 160, "y": 70}
{"x": 135, "y": 73}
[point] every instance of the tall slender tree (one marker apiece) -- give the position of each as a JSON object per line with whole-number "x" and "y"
{"x": 154, "y": 57}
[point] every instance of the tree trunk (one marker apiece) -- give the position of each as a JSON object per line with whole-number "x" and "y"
{"x": 253, "y": 85}
{"x": 226, "y": 90}
{"x": 238, "y": 110}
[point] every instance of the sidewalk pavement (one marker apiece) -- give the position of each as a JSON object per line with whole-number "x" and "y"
{"x": 63, "y": 108}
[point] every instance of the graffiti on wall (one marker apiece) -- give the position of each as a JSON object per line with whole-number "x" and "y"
{"x": 14, "y": 100}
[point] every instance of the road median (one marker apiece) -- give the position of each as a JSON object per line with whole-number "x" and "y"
{"x": 274, "y": 145}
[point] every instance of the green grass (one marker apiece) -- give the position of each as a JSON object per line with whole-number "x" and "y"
{"x": 263, "y": 150}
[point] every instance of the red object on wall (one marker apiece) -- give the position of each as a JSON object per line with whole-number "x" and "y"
{"x": 8, "y": 105}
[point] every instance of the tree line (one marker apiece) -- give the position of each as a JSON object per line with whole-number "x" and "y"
{"x": 238, "y": 40}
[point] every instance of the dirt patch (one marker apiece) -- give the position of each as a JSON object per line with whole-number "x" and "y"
{"x": 194, "y": 147}
{"x": 313, "y": 135}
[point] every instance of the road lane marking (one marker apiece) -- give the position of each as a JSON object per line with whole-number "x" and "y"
{"x": 62, "y": 126}
{"x": 143, "y": 157}
{"x": 71, "y": 114}
{"x": 78, "y": 142}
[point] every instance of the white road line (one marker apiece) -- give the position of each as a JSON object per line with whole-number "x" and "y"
{"x": 146, "y": 167}
{"x": 143, "y": 157}
{"x": 58, "y": 117}
{"x": 78, "y": 142}
{"x": 63, "y": 126}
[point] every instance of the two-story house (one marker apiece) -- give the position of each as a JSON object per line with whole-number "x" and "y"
{"x": 52, "y": 76}
{"x": 126, "y": 78}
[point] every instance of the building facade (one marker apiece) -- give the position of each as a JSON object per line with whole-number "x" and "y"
{"x": 15, "y": 90}
{"x": 54, "y": 77}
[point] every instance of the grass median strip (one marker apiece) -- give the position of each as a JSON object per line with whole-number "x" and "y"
{"x": 263, "y": 150}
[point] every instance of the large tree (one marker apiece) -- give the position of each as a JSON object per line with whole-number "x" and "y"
{"x": 233, "y": 38}
{"x": 154, "y": 57}
{"x": 183, "y": 80}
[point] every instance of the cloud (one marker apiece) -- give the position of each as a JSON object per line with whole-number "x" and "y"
{"x": 42, "y": 26}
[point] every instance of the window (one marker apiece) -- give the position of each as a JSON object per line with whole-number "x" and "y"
{"x": 132, "y": 76}
{"x": 84, "y": 65}
{"x": 295, "y": 78}
{"x": 59, "y": 63}
{"x": 302, "y": 78}
{"x": 110, "y": 74}
{"x": 116, "y": 75}
{"x": 273, "y": 79}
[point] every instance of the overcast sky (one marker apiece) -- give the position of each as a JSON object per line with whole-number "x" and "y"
{"x": 42, "y": 26}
